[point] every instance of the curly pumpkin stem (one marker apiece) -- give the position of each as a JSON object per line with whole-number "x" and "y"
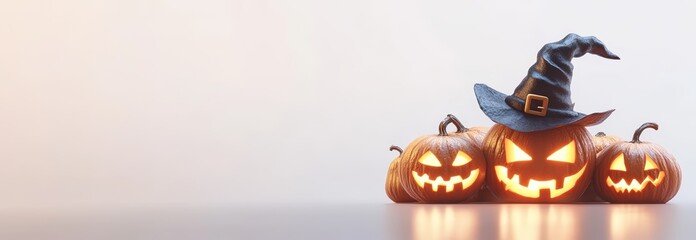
{"x": 397, "y": 148}
{"x": 600, "y": 134}
{"x": 442, "y": 128}
{"x": 458, "y": 124}
{"x": 639, "y": 131}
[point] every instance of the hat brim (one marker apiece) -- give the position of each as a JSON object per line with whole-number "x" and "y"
{"x": 493, "y": 105}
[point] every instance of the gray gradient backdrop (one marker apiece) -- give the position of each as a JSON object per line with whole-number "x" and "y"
{"x": 117, "y": 104}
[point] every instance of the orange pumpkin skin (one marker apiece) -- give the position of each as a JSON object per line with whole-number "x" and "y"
{"x": 650, "y": 173}
{"x": 475, "y": 133}
{"x": 393, "y": 187}
{"x": 602, "y": 140}
{"x": 454, "y": 180}
{"x": 539, "y": 146}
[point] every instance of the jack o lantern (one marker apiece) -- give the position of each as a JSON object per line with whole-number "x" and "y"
{"x": 637, "y": 172}
{"x": 539, "y": 149}
{"x": 442, "y": 168}
{"x": 393, "y": 187}
{"x": 553, "y": 165}
{"x": 602, "y": 140}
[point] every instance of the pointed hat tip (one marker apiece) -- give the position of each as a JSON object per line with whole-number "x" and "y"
{"x": 611, "y": 55}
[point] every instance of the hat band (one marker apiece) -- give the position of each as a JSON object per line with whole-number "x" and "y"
{"x": 523, "y": 105}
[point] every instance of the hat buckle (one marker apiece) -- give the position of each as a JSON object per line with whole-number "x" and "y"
{"x": 539, "y": 110}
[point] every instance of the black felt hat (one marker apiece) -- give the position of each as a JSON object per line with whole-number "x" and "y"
{"x": 542, "y": 100}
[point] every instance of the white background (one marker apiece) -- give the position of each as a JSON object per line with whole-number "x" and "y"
{"x": 112, "y": 104}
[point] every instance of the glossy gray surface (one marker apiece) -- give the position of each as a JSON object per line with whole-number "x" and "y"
{"x": 364, "y": 221}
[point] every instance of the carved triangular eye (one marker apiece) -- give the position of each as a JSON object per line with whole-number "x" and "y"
{"x": 430, "y": 159}
{"x": 565, "y": 154}
{"x": 649, "y": 163}
{"x": 618, "y": 164}
{"x": 461, "y": 159}
{"x": 513, "y": 153}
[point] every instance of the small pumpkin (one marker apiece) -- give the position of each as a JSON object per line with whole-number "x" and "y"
{"x": 637, "y": 171}
{"x": 442, "y": 168}
{"x": 602, "y": 140}
{"x": 553, "y": 165}
{"x": 393, "y": 187}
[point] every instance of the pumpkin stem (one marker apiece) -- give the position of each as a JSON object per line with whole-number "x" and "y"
{"x": 443, "y": 126}
{"x": 600, "y": 134}
{"x": 397, "y": 148}
{"x": 458, "y": 124}
{"x": 636, "y": 135}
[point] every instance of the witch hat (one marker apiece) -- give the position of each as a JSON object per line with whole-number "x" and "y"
{"x": 542, "y": 100}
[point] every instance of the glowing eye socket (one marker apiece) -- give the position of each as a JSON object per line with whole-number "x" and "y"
{"x": 513, "y": 153}
{"x": 618, "y": 164}
{"x": 565, "y": 154}
{"x": 649, "y": 163}
{"x": 461, "y": 159}
{"x": 430, "y": 159}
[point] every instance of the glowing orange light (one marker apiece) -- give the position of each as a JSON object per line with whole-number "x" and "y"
{"x": 461, "y": 159}
{"x": 421, "y": 180}
{"x": 532, "y": 189}
{"x": 635, "y": 186}
{"x": 513, "y": 153}
{"x": 618, "y": 164}
{"x": 430, "y": 159}
{"x": 649, "y": 163}
{"x": 565, "y": 154}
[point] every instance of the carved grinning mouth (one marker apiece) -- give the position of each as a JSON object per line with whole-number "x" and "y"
{"x": 421, "y": 180}
{"x": 635, "y": 186}
{"x": 532, "y": 189}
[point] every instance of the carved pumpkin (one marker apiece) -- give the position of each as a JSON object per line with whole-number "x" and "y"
{"x": 553, "y": 165}
{"x": 393, "y": 187}
{"x": 637, "y": 172}
{"x": 442, "y": 168}
{"x": 602, "y": 140}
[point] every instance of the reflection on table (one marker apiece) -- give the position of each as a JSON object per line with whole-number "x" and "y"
{"x": 538, "y": 221}
{"x": 445, "y": 222}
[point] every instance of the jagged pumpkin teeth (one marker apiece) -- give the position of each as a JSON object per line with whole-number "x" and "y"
{"x": 421, "y": 180}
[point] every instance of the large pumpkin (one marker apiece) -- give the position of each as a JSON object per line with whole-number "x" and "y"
{"x": 442, "y": 168}
{"x": 393, "y": 187}
{"x": 553, "y": 165}
{"x": 637, "y": 172}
